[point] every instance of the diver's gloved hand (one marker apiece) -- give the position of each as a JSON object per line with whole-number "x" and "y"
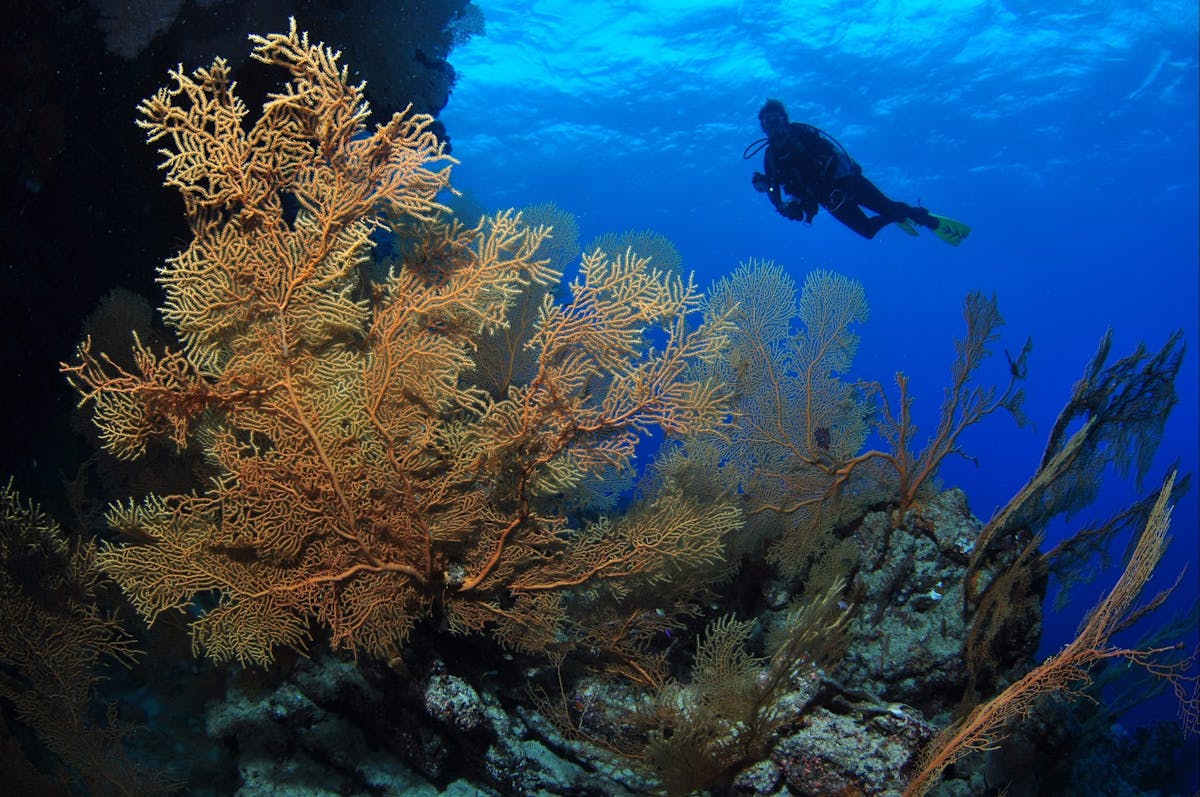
{"x": 760, "y": 182}
{"x": 795, "y": 210}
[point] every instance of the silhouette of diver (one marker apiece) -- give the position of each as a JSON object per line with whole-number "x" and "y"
{"x": 815, "y": 171}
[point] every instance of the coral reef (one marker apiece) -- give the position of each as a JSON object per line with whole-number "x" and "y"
{"x": 1070, "y": 668}
{"x": 909, "y": 628}
{"x": 407, "y": 560}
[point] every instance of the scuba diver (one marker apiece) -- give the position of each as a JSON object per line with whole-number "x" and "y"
{"x": 815, "y": 171}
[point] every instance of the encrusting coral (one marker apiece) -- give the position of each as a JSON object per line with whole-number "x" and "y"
{"x": 362, "y": 480}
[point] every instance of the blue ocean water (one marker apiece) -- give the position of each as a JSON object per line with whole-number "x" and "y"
{"x": 1065, "y": 134}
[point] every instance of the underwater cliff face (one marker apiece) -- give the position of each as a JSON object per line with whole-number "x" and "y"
{"x": 369, "y": 425}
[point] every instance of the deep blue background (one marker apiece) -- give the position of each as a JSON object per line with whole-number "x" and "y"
{"x": 1064, "y": 133}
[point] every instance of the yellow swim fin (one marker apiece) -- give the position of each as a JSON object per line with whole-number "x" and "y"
{"x": 908, "y": 227}
{"x": 949, "y": 230}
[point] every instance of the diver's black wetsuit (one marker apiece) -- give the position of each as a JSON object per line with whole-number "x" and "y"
{"x": 815, "y": 171}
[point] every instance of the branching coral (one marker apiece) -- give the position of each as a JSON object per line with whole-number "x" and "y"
{"x": 1069, "y": 671}
{"x": 799, "y": 422}
{"x": 363, "y": 480}
{"x": 728, "y": 715}
{"x": 53, "y": 641}
{"x": 802, "y": 425}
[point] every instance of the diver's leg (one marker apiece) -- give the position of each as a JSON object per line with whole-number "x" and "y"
{"x": 852, "y": 216}
{"x": 920, "y": 215}
{"x": 870, "y": 197}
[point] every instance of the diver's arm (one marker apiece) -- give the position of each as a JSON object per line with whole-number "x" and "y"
{"x": 770, "y": 184}
{"x": 775, "y": 194}
{"x": 794, "y": 208}
{"x": 810, "y": 206}
{"x": 770, "y": 181}
{"x": 801, "y": 206}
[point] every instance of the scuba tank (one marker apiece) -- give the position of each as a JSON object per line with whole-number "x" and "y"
{"x": 839, "y": 164}
{"x": 834, "y": 167}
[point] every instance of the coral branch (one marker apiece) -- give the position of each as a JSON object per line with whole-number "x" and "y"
{"x": 364, "y": 479}
{"x": 1069, "y": 670}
